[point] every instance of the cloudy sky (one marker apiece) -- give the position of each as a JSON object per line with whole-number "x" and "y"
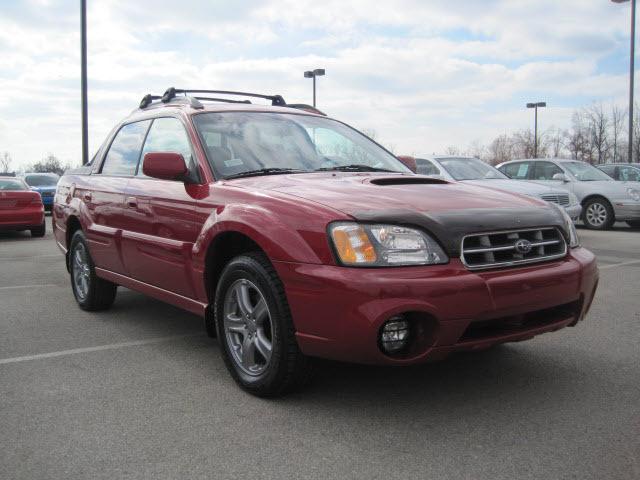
{"x": 423, "y": 74}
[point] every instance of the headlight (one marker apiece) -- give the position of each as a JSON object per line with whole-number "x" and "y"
{"x": 574, "y": 241}
{"x": 384, "y": 245}
{"x": 633, "y": 193}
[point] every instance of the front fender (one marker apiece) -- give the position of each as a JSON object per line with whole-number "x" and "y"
{"x": 282, "y": 238}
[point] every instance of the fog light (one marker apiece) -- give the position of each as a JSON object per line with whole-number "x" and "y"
{"x": 394, "y": 335}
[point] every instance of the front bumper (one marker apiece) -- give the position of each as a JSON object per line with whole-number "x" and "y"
{"x": 574, "y": 211}
{"x": 627, "y": 210}
{"x": 338, "y": 311}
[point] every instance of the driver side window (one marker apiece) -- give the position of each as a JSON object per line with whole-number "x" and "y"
{"x": 167, "y": 135}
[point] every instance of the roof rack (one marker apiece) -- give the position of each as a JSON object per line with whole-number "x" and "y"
{"x": 276, "y": 100}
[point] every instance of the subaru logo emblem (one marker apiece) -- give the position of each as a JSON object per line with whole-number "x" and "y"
{"x": 523, "y": 246}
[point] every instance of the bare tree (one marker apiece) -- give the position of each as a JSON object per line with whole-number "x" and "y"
{"x": 475, "y": 149}
{"x": 500, "y": 150}
{"x": 49, "y": 164}
{"x": 598, "y": 123}
{"x": 577, "y": 138}
{"x": 618, "y": 119}
{"x": 524, "y": 143}
{"x": 452, "y": 150}
{"x": 554, "y": 142}
{"x": 5, "y": 162}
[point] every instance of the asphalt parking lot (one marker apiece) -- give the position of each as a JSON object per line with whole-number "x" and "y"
{"x": 141, "y": 392}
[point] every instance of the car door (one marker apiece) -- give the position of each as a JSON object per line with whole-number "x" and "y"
{"x": 161, "y": 220}
{"x": 103, "y": 196}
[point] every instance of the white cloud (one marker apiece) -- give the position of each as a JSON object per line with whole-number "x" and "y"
{"x": 423, "y": 75}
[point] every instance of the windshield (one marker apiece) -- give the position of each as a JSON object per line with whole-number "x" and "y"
{"x": 41, "y": 180}
{"x": 470, "y": 169}
{"x": 12, "y": 184}
{"x": 585, "y": 172}
{"x": 250, "y": 142}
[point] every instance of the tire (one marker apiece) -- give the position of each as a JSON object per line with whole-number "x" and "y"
{"x": 91, "y": 292}
{"x": 268, "y": 322}
{"x": 597, "y": 214}
{"x": 633, "y": 223}
{"x": 39, "y": 231}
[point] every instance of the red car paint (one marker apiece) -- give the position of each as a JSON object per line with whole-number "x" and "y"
{"x": 163, "y": 238}
{"x": 20, "y": 209}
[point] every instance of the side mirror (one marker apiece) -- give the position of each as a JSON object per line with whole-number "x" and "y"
{"x": 560, "y": 177}
{"x": 408, "y": 162}
{"x": 164, "y": 165}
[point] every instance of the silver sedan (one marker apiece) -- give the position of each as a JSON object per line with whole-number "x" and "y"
{"x": 604, "y": 201}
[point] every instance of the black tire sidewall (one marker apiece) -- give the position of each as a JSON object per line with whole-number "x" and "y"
{"x": 78, "y": 237}
{"x": 608, "y": 222}
{"x": 246, "y": 267}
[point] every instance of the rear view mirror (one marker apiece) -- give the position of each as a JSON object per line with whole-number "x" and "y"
{"x": 560, "y": 177}
{"x": 165, "y": 166}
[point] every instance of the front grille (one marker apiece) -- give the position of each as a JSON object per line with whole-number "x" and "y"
{"x": 514, "y": 247}
{"x": 560, "y": 199}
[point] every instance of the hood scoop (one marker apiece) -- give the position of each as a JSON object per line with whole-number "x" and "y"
{"x": 407, "y": 180}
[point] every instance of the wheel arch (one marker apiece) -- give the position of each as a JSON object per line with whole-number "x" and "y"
{"x": 73, "y": 225}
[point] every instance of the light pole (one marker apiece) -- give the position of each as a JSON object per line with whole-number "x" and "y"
{"x": 535, "y": 128}
{"x": 318, "y": 72}
{"x": 631, "y": 72}
{"x": 83, "y": 79}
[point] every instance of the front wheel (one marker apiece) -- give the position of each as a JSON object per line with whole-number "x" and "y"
{"x": 598, "y": 214}
{"x": 92, "y": 293}
{"x": 255, "y": 329}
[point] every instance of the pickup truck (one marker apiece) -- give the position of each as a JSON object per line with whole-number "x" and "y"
{"x": 295, "y": 236}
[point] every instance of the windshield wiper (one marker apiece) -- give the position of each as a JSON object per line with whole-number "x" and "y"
{"x": 265, "y": 171}
{"x": 353, "y": 168}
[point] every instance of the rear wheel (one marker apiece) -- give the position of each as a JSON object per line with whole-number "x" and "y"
{"x": 39, "y": 231}
{"x": 598, "y": 214}
{"x": 633, "y": 223}
{"x": 255, "y": 329}
{"x": 92, "y": 293}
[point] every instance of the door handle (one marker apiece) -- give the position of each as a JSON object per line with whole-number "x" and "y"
{"x": 86, "y": 197}
{"x": 132, "y": 202}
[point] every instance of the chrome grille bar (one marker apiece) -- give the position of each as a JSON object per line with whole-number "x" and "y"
{"x": 512, "y": 247}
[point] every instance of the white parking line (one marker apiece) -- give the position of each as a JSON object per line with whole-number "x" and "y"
{"x": 41, "y": 285}
{"x": 623, "y": 264}
{"x": 33, "y": 256}
{"x": 98, "y": 348}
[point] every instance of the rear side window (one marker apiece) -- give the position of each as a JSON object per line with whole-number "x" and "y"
{"x": 425, "y": 167}
{"x": 124, "y": 153}
{"x": 167, "y": 135}
{"x": 518, "y": 171}
{"x": 546, "y": 171}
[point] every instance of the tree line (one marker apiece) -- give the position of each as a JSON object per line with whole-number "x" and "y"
{"x": 49, "y": 164}
{"x": 597, "y": 134}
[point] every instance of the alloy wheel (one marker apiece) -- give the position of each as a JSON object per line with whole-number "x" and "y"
{"x": 81, "y": 271}
{"x": 248, "y": 327}
{"x": 596, "y": 214}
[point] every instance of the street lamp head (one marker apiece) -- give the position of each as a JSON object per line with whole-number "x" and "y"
{"x": 318, "y": 72}
{"x": 537, "y": 104}
{"x": 308, "y": 74}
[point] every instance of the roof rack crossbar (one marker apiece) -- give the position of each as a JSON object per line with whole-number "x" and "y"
{"x": 225, "y": 100}
{"x": 276, "y": 100}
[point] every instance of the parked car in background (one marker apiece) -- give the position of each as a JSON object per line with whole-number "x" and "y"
{"x": 20, "y": 207}
{"x": 295, "y": 236}
{"x": 474, "y": 171}
{"x": 623, "y": 172}
{"x": 604, "y": 201}
{"x": 44, "y": 184}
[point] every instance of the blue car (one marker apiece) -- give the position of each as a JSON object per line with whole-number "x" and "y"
{"x": 45, "y": 184}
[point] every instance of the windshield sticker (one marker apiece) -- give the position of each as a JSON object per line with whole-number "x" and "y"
{"x": 233, "y": 162}
{"x": 522, "y": 170}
